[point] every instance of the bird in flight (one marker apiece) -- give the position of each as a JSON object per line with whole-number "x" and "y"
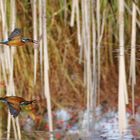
{"x": 16, "y": 39}
{"x": 14, "y": 104}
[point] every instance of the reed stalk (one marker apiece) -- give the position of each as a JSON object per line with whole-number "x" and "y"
{"x": 72, "y": 13}
{"x": 13, "y": 51}
{"x": 46, "y": 71}
{"x": 40, "y": 43}
{"x": 138, "y": 10}
{"x": 86, "y": 46}
{"x": 5, "y": 34}
{"x": 98, "y": 18}
{"x": 132, "y": 74}
{"x": 130, "y": 12}
{"x": 14, "y": 128}
{"x": 94, "y": 75}
{"x": 7, "y": 61}
{"x": 65, "y": 12}
{"x": 78, "y": 23}
{"x": 96, "y": 39}
{"x": 34, "y": 11}
{"x": 122, "y": 90}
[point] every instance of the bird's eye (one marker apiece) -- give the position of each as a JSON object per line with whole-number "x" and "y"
{"x": 4, "y": 101}
{"x": 24, "y": 40}
{"x": 22, "y": 103}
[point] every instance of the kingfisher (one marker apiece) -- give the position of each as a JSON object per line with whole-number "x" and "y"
{"x": 16, "y": 39}
{"x": 14, "y": 104}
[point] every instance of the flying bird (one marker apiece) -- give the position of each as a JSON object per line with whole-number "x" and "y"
{"x": 16, "y": 39}
{"x": 14, "y": 104}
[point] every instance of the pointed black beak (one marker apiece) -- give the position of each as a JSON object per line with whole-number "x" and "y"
{"x": 35, "y": 41}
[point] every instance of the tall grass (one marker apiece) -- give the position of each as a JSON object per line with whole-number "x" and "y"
{"x": 73, "y": 31}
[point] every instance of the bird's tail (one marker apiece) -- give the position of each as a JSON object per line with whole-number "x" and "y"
{"x": 33, "y": 101}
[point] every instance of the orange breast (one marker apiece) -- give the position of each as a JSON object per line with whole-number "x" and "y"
{"x": 15, "y": 43}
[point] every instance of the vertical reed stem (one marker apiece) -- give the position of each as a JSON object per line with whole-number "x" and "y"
{"x": 132, "y": 75}
{"x": 123, "y": 99}
{"x": 46, "y": 72}
{"x": 34, "y": 11}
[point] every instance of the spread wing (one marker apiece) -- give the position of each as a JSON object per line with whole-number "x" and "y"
{"x": 15, "y": 35}
{"x": 14, "y": 109}
{"x": 14, "y": 99}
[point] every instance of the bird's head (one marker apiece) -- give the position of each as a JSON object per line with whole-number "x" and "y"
{"x": 2, "y": 99}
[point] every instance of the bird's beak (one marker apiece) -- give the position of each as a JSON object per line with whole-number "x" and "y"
{"x": 34, "y": 41}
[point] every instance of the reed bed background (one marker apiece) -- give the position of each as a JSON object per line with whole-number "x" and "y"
{"x": 88, "y": 52}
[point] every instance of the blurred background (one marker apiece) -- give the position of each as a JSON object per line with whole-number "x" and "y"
{"x": 82, "y": 39}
